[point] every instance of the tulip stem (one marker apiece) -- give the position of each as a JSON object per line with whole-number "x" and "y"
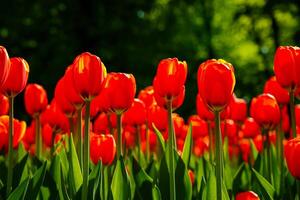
{"x": 280, "y": 157}
{"x": 267, "y": 155}
{"x": 172, "y": 147}
{"x": 86, "y": 150}
{"x": 219, "y": 159}
{"x": 298, "y": 188}
{"x": 138, "y": 131}
{"x": 10, "y": 146}
{"x": 147, "y": 143}
{"x": 79, "y": 135}
{"x": 210, "y": 134}
{"x": 292, "y": 111}
{"x": 38, "y": 138}
{"x": 119, "y": 130}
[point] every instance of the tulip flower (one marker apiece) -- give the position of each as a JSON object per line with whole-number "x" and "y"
{"x": 4, "y": 65}
{"x": 274, "y": 88}
{"x": 216, "y": 83}
{"x": 36, "y": 101}
{"x": 15, "y": 83}
{"x": 249, "y": 195}
{"x": 250, "y": 128}
{"x": 158, "y": 116}
{"x": 147, "y": 96}
{"x": 287, "y": 72}
{"x": 136, "y": 114}
{"x": 88, "y": 75}
{"x": 238, "y": 109}
{"x": 103, "y": 147}
{"x": 4, "y": 105}
{"x": 199, "y": 127}
{"x": 291, "y": 152}
{"x": 121, "y": 90}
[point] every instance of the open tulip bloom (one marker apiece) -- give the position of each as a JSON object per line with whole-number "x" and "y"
{"x": 99, "y": 138}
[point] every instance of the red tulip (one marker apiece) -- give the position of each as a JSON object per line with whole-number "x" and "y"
{"x": 170, "y": 78}
{"x": 202, "y": 110}
{"x": 192, "y": 176}
{"x": 287, "y": 66}
{"x": 136, "y": 114}
{"x": 285, "y": 120}
{"x": 69, "y": 92}
{"x": 4, "y": 65}
{"x": 19, "y": 131}
{"x": 273, "y": 87}
{"x": 200, "y": 146}
{"x": 250, "y": 128}
{"x": 29, "y": 137}
{"x": 199, "y": 127}
{"x": 158, "y": 116}
{"x": 121, "y": 90}
{"x": 245, "y": 148}
{"x": 103, "y": 147}
{"x": 129, "y": 137}
{"x": 179, "y": 126}
{"x": 147, "y": 96}
{"x": 291, "y": 152}
{"x": 216, "y": 82}
{"x": 100, "y": 103}
{"x": 176, "y": 101}
{"x": 47, "y": 134}
{"x": 17, "y": 77}
{"x": 100, "y": 125}
{"x": 88, "y": 75}
{"x": 265, "y": 110}
{"x": 4, "y": 105}
{"x": 230, "y": 128}
{"x": 35, "y": 98}
{"x": 249, "y": 195}
{"x": 238, "y": 109}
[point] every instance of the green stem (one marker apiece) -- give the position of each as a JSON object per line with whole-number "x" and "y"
{"x": 210, "y": 134}
{"x": 172, "y": 147}
{"x": 147, "y": 143}
{"x": 266, "y": 155}
{"x": 103, "y": 194}
{"x": 86, "y": 150}
{"x": 298, "y": 189}
{"x": 219, "y": 159}
{"x": 79, "y": 136}
{"x": 119, "y": 130}
{"x": 292, "y": 110}
{"x": 280, "y": 156}
{"x": 138, "y": 131}
{"x": 71, "y": 167}
{"x": 38, "y": 138}
{"x": 10, "y": 146}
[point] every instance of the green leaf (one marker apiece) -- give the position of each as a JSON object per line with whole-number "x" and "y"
{"x": 36, "y": 182}
{"x": 210, "y": 190}
{"x": 262, "y": 186}
{"x": 228, "y": 176}
{"x": 20, "y": 172}
{"x": 187, "y": 148}
{"x": 200, "y": 174}
{"x": 120, "y": 185}
{"x": 160, "y": 137}
{"x": 164, "y": 179}
{"x": 94, "y": 180}
{"x": 21, "y": 152}
{"x": 237, "y": 179}
{"x": 75, "y": 176}
{"x": 254, "y": 151}
{"x": 156, "y": 193}
{"x": 183, "y": 182}
{"x": 20, "y": 192}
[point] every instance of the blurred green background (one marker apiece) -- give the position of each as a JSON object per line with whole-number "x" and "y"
{"x": 134, "y": 35}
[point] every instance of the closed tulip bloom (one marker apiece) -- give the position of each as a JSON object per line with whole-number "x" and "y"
{"x": 202, "y": 109}
{"x": 250, "y": 128}
{"x": 101, "y": 124}
{"x": 176, "y": 101}
{"x": 121, "y": 90}
{"x": 216, "y": 82}
{"x": 4, "y": 105}
{"x": 4, "y": 65}
{"x": 273, "y": 87}
{"x": 88, "y": 75}
{"x": 287, "y": 66}
{"x": 265, "y": 110}
{"x": 249, "y": 195}
{"x": 158, "y": 116}
{"x": 103, "y": 147}
{"x": 17, "y": 77}
{"x": 35, "y": 99}
{"x": 70, "y": 93}
{"x": 291, "y": 152}
{"x": 136, "y": 114}
{"x": 19, "y": 131}
{"x": 147, "y": 96}
{"x": 199, "y": 127}
{"x": 238, "y": 109}
{"x": 170, "y": 77}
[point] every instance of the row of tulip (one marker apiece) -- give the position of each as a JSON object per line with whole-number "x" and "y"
{"x": 96, "y": 140}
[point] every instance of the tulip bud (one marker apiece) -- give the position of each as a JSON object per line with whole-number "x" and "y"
{"x": 35, "y": 99}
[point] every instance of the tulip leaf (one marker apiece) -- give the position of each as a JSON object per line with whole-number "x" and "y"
{"x": 156, "y": 193}
{"x": 36, "y": 182}
{"x": 210, "y": 190}
{"x": 160, "y": 137}
{"x": 183, "y": 182}
{"x": 94, "y": 180}
{"x": 120, "y": 185}
{"x": 163, "y": 178}
{"x": 75, "y": 176}
{"x": 187, "y": 148}
{"x": 21, "y": 152}
{"x": 237, "y": 179}
{"x": 262, "y": 187}
{"x": 20, "y": 191}
{"x": 200, "y": 174}
{"x": 21, "y": 172}
{"x": 254, "y": 151}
